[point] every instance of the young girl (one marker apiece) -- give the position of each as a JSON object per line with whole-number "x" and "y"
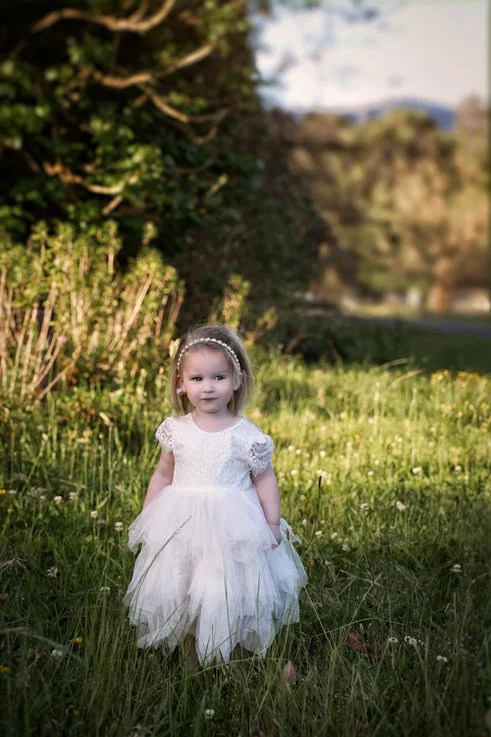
{"x": 217, "y": 561}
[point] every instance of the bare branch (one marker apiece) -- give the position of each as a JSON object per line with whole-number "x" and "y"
{"x": 111, "y": 80}
{"x": 164, "y": 107}
{"x": 133, "y": 23}
{"x": 68, "y": 177}
{"x": 191, "y": 58}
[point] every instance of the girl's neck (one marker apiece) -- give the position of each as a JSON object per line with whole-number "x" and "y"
{"x": 214, "y": 422}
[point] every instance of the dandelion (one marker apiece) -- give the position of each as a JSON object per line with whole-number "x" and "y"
{"x": 118, "y": 526}
{"x": 10, "y": 510}
{"x": 94, "y": 514}
{"x": 416, "y": 469}
{"x": 441, "y": 659}
{"x": 57, "y": 654}
{"x": 209, "y": 713}
{"x": 456, "y": 568}
{"x": 5, "y": 669}
{"x": 2, "y": 491}
{"x": 58, "y": 499}
{"x": 392, "y": 640}
{"x": 400, "y": 506}
{"x": 52, "y": 572}
{"x": 78, "y": 640}
{"x": 410, "y": 641}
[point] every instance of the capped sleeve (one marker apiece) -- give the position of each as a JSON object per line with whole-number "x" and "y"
{"x": 164, "y": 434}
{"x": 260, "y": 454}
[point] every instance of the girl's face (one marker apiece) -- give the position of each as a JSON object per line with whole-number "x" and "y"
{"x": 208, "y": 380}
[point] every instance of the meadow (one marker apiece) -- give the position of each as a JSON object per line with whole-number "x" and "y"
{"x": 384, "y": 473}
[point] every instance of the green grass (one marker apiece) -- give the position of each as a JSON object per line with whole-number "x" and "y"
{"x": 403, "y": 459}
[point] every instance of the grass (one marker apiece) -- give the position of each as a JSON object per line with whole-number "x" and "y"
{"x": 384, "y": 472}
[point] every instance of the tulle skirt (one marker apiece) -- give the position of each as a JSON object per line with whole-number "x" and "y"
{"x": 209, "y": 566}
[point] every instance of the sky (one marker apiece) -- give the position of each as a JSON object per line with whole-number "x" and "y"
{"x": 333, "y": 57}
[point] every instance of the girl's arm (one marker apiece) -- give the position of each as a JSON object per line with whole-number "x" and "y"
{"x": 162, "y": 476}
{"x": 269, "y": 496}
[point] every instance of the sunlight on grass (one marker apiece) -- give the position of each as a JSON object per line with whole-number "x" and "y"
{"x": 384, "y": 473}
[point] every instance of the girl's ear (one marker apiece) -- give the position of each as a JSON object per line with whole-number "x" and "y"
{"x": 179, "y": 389}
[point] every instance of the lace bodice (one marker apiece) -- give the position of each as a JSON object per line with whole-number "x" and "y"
{"x": 215, "y": 459}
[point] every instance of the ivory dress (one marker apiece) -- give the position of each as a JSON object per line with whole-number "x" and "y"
{"x": 209, "y": 564}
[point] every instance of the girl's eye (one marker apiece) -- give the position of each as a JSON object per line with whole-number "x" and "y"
{"x": 220, "y": 377}
{"x": 196, "y": 378}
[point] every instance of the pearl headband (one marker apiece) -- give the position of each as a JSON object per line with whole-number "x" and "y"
{"x": 215, "y": 341}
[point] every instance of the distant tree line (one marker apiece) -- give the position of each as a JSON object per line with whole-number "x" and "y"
{"x": 406, "y": 204}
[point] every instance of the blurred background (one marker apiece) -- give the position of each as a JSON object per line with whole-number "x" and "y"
{"x": 262, "y": 163}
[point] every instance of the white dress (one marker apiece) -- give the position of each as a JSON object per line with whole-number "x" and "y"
{"x": 209, "y": 564}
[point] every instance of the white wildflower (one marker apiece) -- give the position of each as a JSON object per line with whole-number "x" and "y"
{"x": 105, "y": 589}
{"x": 364, "y": 507}
{"x": 417, "y": 469}
{"x": 392, "y": 640}
{"x": 322, "y": 453}
{"x": 400, "y": 506}
{"x": 72, "y": 496}
{"x": 12, "y": 492}
{"x": 441, "y": 659}
{"x": 345, "y": 547}
{"x": 457, "y": 468}
{"x": 456, "y": 568}
{"x": 94, "y": 514}
{"x": 118, "y": 526}
{"x": 57, "y": 654}
{"x": 410, "y": 641}
{"x": 209, "y": 713}
{"x": 58, "y": 499}
{"x": 294, "y": 472}
{"x": 52, "y": 572}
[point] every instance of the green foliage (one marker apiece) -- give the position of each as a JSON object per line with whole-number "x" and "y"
{"x": 159, "y": 126}
{"x": 83, "y": 137}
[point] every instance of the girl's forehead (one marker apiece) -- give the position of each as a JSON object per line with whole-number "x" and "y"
{"x": 203, "y": 358}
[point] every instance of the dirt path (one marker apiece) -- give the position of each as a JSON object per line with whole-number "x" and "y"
{"x": 447, "y": 326}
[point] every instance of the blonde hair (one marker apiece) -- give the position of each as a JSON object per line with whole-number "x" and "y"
{"x": 211, "y": 336}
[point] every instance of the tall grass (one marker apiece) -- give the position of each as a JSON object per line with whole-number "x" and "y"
{"x": 385, "y": 475}
{"x": 68, "y": 314}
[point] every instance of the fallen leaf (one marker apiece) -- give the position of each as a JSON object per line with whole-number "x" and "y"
{"x": 288, "y": 675}
{"x": 354, "y": 641}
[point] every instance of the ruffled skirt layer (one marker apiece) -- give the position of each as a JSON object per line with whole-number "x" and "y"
{"x": 209, "y": 566}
